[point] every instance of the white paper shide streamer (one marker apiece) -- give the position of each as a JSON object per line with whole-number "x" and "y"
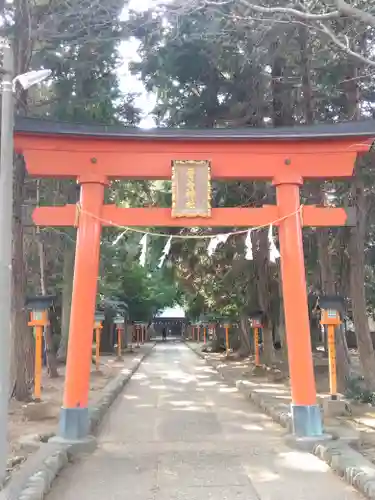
{"x": 274, "y": 253}
{"x": 249, "y": 246}
{"x": 119, "y": 237}
{"x": 143, "y": 244}
{"x": 215, "y": 242}
{"x": 166, "y": 251}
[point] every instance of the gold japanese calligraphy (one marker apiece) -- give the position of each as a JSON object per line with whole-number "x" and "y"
{"x": 191, "y": 188}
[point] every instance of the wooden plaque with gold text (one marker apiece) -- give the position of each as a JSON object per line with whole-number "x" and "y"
{"x": 191, "y": 188}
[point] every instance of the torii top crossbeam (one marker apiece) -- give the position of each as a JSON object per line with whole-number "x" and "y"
{"x": 70, "y": 150}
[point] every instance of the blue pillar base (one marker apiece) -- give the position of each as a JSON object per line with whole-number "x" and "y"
{"x": 307, "y": 421}
{"x": 74, "y": 423}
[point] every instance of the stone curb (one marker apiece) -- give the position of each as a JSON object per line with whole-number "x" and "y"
{"x": 347, "y": 463}
{"x": 33, "y": 481}
{"x": 40, "y": 483}
{"x": 278, "y": 412}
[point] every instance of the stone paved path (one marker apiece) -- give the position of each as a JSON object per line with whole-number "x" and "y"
{"x": 177, "y": 432}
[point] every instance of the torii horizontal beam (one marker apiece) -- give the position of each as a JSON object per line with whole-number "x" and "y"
{"x": 221, "y": 217}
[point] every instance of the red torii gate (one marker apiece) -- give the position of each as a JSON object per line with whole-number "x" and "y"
{"x": 95, "y": 154}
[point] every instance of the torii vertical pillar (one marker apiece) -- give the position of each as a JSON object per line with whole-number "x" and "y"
{"x": 74, "y": 418}
{"x": 306, "y": 415}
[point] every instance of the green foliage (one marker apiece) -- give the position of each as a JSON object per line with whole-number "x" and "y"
{"x": 146, "y": 290}
{"x": 79, "y": 42}
{"x": 198, "y": 81}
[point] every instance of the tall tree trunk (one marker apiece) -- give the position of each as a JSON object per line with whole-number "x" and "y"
{"x": 50, "y": 354}
{"x": 51, "y": 358}
{"x": 282, "y": 112}
{"x": 327, "y": 287}
{"x": 282, "y": 115}
{"x": 344, "y": 367}
{"x": 244, "y": 333}
{"x": 68, "y": 271}
{"x": 357, "y": 242}
{"x": 268, "y": 347}
{"x": 71, "y": 194}
{"x": 261, "y": 261}
{"x": 305, "y": 65}
{"x": 23, "y": 351}
{"x": 281, "y": 322}
{"x": 357, "y": 284}
{"x": 22, "y": 362}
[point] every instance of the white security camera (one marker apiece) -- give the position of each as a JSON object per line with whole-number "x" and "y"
{"x": 27, "y": 80}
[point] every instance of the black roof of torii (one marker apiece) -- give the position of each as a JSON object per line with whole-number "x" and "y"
{"x": 364, "y": 128}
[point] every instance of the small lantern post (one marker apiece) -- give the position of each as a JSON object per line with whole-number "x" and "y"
{"x": 202, "y": 326}
{"x": 137, "y": 327}
{"x": 143, "y": 334}
{"x": 205, "y": 333}
{"x": 38, "y": 307}
{"x": 332, "y": 309}
{"x": 212, "y": 330}
{"x": 98, "y": 326}
{"x": 256, "y": 324}
{"x": 121, "y": 309}
{"x": 119, "y": 322}
{"x": 226, "y": 327}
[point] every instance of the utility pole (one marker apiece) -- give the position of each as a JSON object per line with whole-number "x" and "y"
{"x": 6, "y": 219}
